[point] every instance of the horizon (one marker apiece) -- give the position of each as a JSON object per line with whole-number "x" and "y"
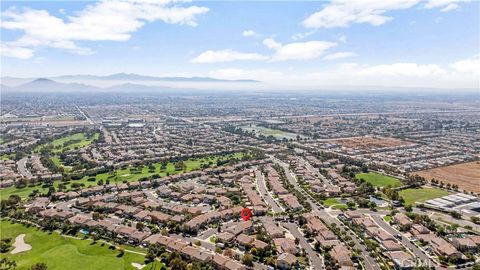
{"x": 300, "y": 45}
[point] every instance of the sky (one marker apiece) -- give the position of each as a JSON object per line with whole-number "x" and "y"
{"x": 394, "y": 43}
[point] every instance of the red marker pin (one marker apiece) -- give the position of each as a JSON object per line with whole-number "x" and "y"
{"x": 246, "y": 214}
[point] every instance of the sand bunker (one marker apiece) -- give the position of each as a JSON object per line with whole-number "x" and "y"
{"x": 138, "y": 266}
{"x": 20, "y": 245}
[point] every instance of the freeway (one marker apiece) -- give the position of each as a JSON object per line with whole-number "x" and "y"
{"x": 313, "y": 256}
{"x": 265, "y": 194}
{"x": 327, "y": 217}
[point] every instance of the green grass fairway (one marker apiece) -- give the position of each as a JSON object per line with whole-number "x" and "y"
{"x": 58, "y": 146}
{"x": 419, "y": 195}
{"x": 60, "y": 253}
{"x": 276, "y": 133}
{"x": 379, "y": 180}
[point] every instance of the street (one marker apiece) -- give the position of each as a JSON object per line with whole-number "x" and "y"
{"x": 313, "y": 256}
{"x": 326, "y": 217}
{"x": 265, "y": 194}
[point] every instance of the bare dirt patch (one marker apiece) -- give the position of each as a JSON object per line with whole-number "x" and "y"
{"x": 465, "y": 175}
{"x": 369, "y": 142}
{"x": 20, "y": 245}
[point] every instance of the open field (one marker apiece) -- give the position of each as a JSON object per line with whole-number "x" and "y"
{"x": 80, "y": 140}
{"x": 465, "y": 175}
{"x": 369, "y": 142}
{"x": 276, "y": 133}
{"x": 60, "y": 252}
{"x": 379, "y": 180}
{"x": 129, "y": 174}
{"x": 419, "y": 195}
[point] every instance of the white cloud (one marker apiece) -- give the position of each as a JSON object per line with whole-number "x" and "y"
{"x": 249, "y": 33}
{"x": 470, "y": 65}
{"x": 15, "y": 51}
{"x": 271, "y": 43}
{"x": 445, "y": 5}
{"x": 342, "y": 13}
{"x": 103, "y": 21}
{"x": 225, "y": 56}
{"x": 298, "y": 50}
{"x": 298, "y": 36}
{"x": 339, "y": 55}
{"x": 402, "y": 69}
{"x": 461, "y": 74}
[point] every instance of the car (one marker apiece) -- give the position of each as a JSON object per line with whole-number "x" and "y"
{"x": 398, "y": 236}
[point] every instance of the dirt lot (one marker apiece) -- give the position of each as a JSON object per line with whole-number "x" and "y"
{"x": 465, "y": 175}
{"x": 368, "y": 142}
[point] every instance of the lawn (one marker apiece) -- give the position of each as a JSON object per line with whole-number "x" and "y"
{"x": 335, "y": 204}
{"x": 419, "y": 195}
{"x": 58, "y": 144}
{"x": 59, "y": 252}
{"x": 379, "y": 180}
{"x": 278, "y": 134}
{"x": 129, "y": 174}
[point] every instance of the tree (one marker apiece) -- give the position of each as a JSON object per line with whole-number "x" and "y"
{"x": 475, "y": 220}
{"x": 198, "y": 243}
{"x": 140, "y": 226}
{"x": 5, "y": 245}
{"x": 455, "y": 214}
{"x": 14, "y": 199}
{"x": 408, "y": 208}
{"x": 121, "y": 253}
{"x": 39, "y": 266}
{"x": 247, "y": 259}
{"x": 7, "y": 264}
{"x": 177, "y": 264}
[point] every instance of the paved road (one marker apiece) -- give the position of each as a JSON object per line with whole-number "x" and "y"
{"x": 313, "y": 256}
{"x": 327, "y": 218}
{"x": 419, "y": 254}
{"x": 85, "y": 115}
{"x": 315, "y": 171}
{"x": 265, "y": 194}
{"x": 22, "y": 168}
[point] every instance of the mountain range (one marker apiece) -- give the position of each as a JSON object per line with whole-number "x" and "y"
{"x": 127, "y": 82}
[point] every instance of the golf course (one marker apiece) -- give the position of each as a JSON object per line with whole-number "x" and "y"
{"x": 61, "y": 252}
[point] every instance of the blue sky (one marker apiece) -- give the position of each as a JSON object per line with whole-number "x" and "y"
{"x": 432, "y": 43}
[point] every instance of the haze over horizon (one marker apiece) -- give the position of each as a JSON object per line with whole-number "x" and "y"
{"x": 307, "y": 45}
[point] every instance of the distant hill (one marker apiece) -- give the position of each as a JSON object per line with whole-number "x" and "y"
{"x": 47, "y": 85}
{"x": 43, "y": 85}
{"x": 137, "y": 77}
